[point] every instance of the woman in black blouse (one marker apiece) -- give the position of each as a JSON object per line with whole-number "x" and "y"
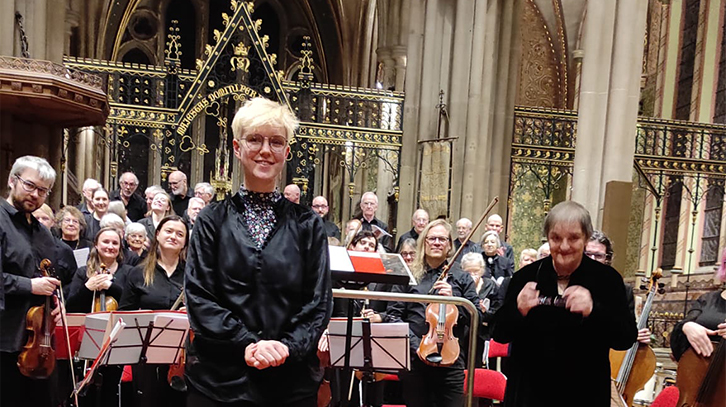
{"x": 705, "y": 321}
{"x": 497, "y": 267}
{"x": 88, "y": 282}
{"x": 155, "y": 285}
{"x": 257, "y": 280}
{"x": 72, "y": 225}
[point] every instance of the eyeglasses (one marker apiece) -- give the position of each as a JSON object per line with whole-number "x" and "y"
{"x": 596, "y": 256}
{"x": 31, "y": 187}
{"x": 127, "y": 184}
{"x": 408, "y": 254}
{"x": 255, "y": 142}
{"x": 436, "y": 239}
{"x": 70, "y": 221}
{"x": 320, "y": 206}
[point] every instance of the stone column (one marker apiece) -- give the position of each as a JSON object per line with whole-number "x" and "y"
{"x": 608, "y": 100}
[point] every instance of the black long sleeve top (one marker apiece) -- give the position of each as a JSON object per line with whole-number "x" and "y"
{"x": 708, "y": 310}
{"x": 415, "y": 313}
{"x": 160, "y": 295}
{"x": 238, "y": 294}
{"x": 22, "y": 246}
{"x": 558, "y": 357}
{"x": 80, "y": 297}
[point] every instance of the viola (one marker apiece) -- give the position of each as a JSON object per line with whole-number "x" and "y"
{"x": 439, "y": 347}
{"x": 636, "y": 366}
{"x": 37, "y": 359}
{"x": 175, "y": 377}
{"x": 103, "y": 302}
{"x": 700, "y": 379}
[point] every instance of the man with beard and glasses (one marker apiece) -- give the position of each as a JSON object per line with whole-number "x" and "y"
{"x": 24, "y": 242}
{"x": 126, "y": 193}
{"x": 179, "y": 191}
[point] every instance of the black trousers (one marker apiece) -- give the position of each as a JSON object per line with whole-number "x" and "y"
{"x": 18, "y": 390}
{"x": 427, "y": 386}
{"x": 197, "y": 399}
{"x": 151, "y": 387}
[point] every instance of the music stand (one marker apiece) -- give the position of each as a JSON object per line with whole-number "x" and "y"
{"x": 149, "y": 337}
{"x": 382, "y": 347}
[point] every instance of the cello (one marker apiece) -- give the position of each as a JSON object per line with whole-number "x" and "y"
{"x": 439, "y": 347}
{"x": 635, "y": 366}
{"x": 701, "y": 380}
{"x": 37, "y": 359}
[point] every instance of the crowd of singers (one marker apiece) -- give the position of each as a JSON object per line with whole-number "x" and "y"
{"x": 254, "y": 270}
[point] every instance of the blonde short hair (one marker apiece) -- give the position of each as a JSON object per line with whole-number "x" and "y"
{"x": 258, "y": 112}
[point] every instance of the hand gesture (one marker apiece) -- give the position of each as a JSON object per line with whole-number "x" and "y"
{"x": 697, "y": 336}
{"x": 644, "y": 335}
{"x": 578, "y": 300}
{"x": 99, "y": 282}
{"x": 443, "y": 288}
{"x": 372, "y": 315}
{"x": 528, "y": 298}
{"x": 264, "y": 354}
{"x": 43, "y": 285}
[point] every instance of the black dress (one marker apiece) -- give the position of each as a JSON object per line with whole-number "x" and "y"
{"x": 151, "y": 387}
{"x": 709, "y": 310}
{"x": 559, "y": 358}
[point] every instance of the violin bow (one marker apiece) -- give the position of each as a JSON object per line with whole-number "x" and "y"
{"x": 64, "y": 320}
{"x": 445, "y": 270}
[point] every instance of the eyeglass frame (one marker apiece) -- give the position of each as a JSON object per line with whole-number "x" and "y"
{"x": 597, "y": 256}
{"x": 437, "y": 239}
{"x": 262, "y": 143}
{"x": 30, "y": 187}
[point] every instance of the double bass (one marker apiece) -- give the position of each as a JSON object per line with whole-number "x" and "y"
{"x": 701, "y": 380}
{"x": 636, "y": 366}
{"x": 37, "y": 359}
{"x": 439, "y": 347}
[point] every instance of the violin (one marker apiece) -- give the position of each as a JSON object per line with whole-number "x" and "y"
{"x": 103, "y": 302}
{"x": 636, "y": 366}
{"x": 175, "y": 377}
{"x": 700, "y": 379}
{"x": 37, "y": 359}
{"x": 439, "y": 347}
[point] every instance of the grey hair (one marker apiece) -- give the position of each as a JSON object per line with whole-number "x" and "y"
{"x": 135, "y": 227}
{"x": 410, "y": 242}
{"x": 136, "y": 179}
{"x": 117, "y": 208}
{"x": 91, "y": 183}
{"x": 569, "y": 212}
{"x": 111, "y": 220}
{"x": 491, "y": 233}
{"x": 195, "y": 199}
{"x": 540, "y": 251}
{"x": 154, "y": 188}
{"x": 465, "y": 220}
{"x": 208, "y": 188}
{"x": 472, "y": 258}
{"x": 30, "y": 162}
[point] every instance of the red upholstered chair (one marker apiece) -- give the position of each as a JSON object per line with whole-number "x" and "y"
{"x": 488, "y": 384}
{"x": 494, "y": 349}
{"x": 391, "y": 377}
{"x": 668, "y": 397}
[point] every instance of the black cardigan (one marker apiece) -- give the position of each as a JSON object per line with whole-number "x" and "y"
{"x": 237, "y": 295}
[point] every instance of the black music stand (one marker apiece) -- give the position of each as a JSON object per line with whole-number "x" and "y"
{"x": 353, "y": 274}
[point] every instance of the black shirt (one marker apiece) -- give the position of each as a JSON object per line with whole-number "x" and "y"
{"x": 180, "y": 203}
{"x": 81, "y": 243}
{"x": 709, "y": 310}
{"x": 93, "y": 226}
{"x": 80, "y": 297}
{"x": 160, "y": 295}
{"x": 470, "y": 247}
{"x": 415, "y": 312}
{"x": 135, "y": 209}
{"x": 411, "y": 234}
{"x": 22, "y": 246}
{"x": 332, "y": 230}
{"x": 384, "y": 240}
{"x": 65, "y": 265}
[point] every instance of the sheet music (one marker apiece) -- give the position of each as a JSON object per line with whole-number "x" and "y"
{"x": 389, "y": 344}
{"x": 81, "y": 256}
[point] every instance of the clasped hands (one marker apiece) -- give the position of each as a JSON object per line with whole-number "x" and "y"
{"x": 99, "y": 282}
{"x": 264, "y": 354}
{"x": 577, "y": 299}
